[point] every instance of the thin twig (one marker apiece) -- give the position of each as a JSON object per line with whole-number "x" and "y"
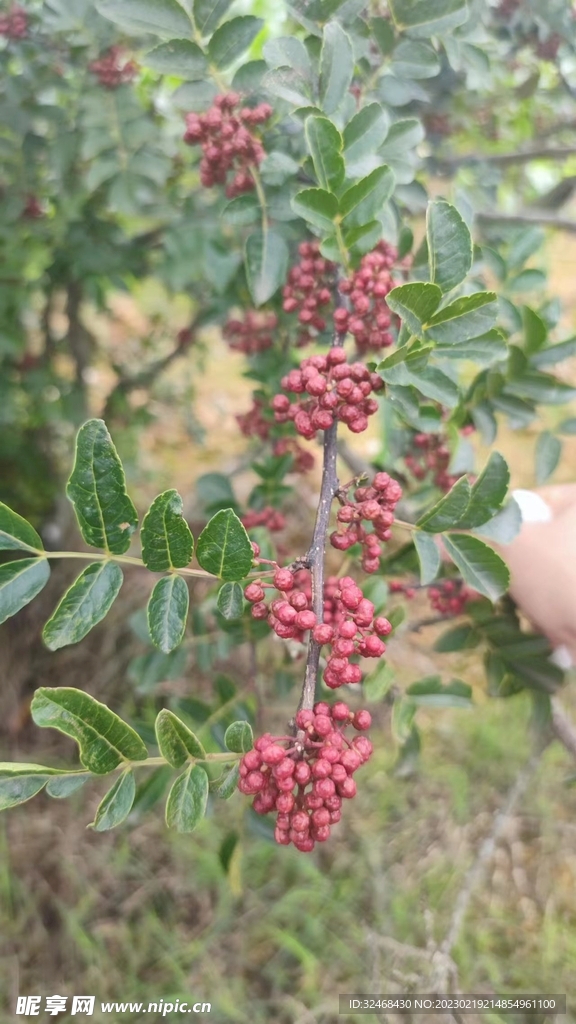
{"x": 526, "y": 217}
{"x": 562, "y": 727}
{"x": 506, "y": 159}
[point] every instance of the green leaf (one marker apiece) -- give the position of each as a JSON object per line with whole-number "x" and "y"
{"x": 431, "y": 693}
{"x": 415, "y": 303}
{"x": 336, "y": 66}
{"x": 465, "y": 318}
{"x": 317, "y": 206}
{"x": 489, "y": 348}
{"x": 186, "y": 803}
{"x": 505, "y": 526}
{"x": 225, "y": 787}
{"x": 16, "y": 533}
{"x": 208, "y": 14}
{"x": 239, "y": 737}
{"x": 480, "y": 566}
{"x": 554, "y": 353}
{"x": 535, "y": 331}
{"x": 167, "y": 612}
{"x": 429, "y": 555}
{"x": 115, "y": 807}
{"x": 568, "y": 426}
{"x": 288, "y": 84}
{"x": 488, "y": 493}
{"x": 288, "y": 52}
{"x": 20, "y": 782}
{"x": 365, "y": 132}
{"x": 230, "y": 601}
{"x": 166, "y": 539}
{"x": 458, "y": 638}
{"x": 97, "y": 489}
{"x": 159, "y": 17}
{"x": 449, "y": 245}
{"x": 448, "y": 511}
{"x": 84, "y": 604}
{"x": 224, "y": 547}
{"x": 325, "y": 145}
{"x": 175, "y": 740}
{"x": 179, "y": 57}
{"x": 540, "y": 387}
{"x": 364, "y": 200}
{"x": 20, "y": 582}
{"x": 548, "y": 452}
{"x": 63, "y": 786}
{"x": 266, "y": 260}
{"x": 103, "y": 738}
{"x": 429, "y": 380}
{"x": 376, "y": 684}
{"x": 232, "y": 39}
{"x": 413, "y": 14}
{"x": 415, "y": 60}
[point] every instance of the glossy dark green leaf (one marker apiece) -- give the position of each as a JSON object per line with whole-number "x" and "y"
{"x": 325, "y": 145}
{"x": 84, "y": 604}
{"x": 115, "y": 807}
{"x": 488, "y": 493}
{"x": 415, "y": 303}
{"x": 383, "y": 33}
{"x": 16, "y": 533}
{"x": 429, "y": 556}
{"x": 176, "y": 742}
{"x": 208, "y": 14}
{"x": 232, "y": 39}
{"x": 458, "y": 638}
{"x": 20, "y": 581}
{"x": 166, "y": 539}
{"x": 535, "y": 331}
{"x": 365, "y": 200}
{"x": 224, "y": 548}
{"x": 413, "y": 59}
{"x": 239, "y": 737}
{"x": 266, "y": 261}
{"x": 480, "y": 566}
{"x": 429, "y": 15}
{"x": 548, "y": 453}
{"x": 179, "y": 57}
{"x": 230, "y": 601}
{"x": 448, "y": 511}
{"x": 463, "y": 319}
{"x": 158, "y": 17}
{"x": 167, "y": 612}
{"x": 316, "y": 206}
{"x": 449, "y": 245}
{"x": 103, "y": 738}
{"x": 336, "y": 66}
{"x": 187, "y": 799}
{"x": 97, "y": 489}
{"x": 20, "y": 782}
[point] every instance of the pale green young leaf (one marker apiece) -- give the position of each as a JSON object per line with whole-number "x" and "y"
{"x": 97, "y": 489}
{"x": 186, "y": 803}
{"x": 176, "y": 742}
{"x": 167, "y": 612}
{"x": 103, "y": 738}
{"x": 16, "y": 533}
{"x": 224, "y": 547}
{"x": 167, "y": 542}
{"x": 20, "y": 581}
{"x": 84, "y": 604}
{"x": 115, "y": 807}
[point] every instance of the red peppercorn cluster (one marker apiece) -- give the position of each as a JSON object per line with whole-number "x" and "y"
{"x": 268, "y": 517}
{"x": 253, "y": 333}
{"x": 32, "y": 208}
{"x": 449, "y": 597}
{"x": 112, "y": 70}
{"x": 350, "y": 627}
{"x": 305, "y": 778}
{"x": 398, "y": 587}
{"x": 336, "y": 390}
{"x": 14, "y": 25}
{"x": 254, "y": 423}
{"x": 228, "y": 143}
{"x": 431, "y": 457}
{"x": 369, "y": 318}
{"x": 374, "y": 504}
{"x": 302, "y": 460}
{"x": 290, "y": 616}
{"x": 309, "y": 289}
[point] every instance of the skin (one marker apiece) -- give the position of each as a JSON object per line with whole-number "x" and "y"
{"x": 542, "y": 561}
